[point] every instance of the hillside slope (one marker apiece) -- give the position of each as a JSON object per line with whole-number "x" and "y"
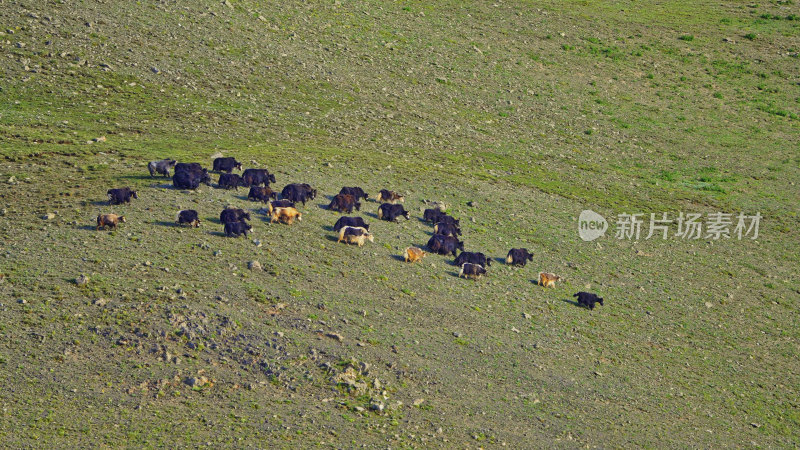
{"x": 518, "y": 115}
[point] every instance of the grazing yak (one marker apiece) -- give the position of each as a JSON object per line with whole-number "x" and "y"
{"x": 413, "y": 254}
{"x": 518, "y": 257}
{"x": 226, "y": 165}
{"x": 235, "y": 229}
{"x": 286, "y": 215}
{"x": 548, "y": 279}
{"x": 392, "y": 213}
{"x": 271, "y": 206}
{"x": 446, "y": 229}
{"x": 189, "y": 167}
{"x": 355, "y": 235}
{"x": 161, "y": 167}
{"x": 230, "y": 180}
{"x": 387, "y": 196}
{"x": 109, "y": 220}
{"x": 587, "y": 299}
{"x": 432, "y": 215}
{"x": 191, "y": 180}
{"x": 230, "y": 215}
{"x": 346, "y": 221}
{"x": 344, "y": 203}
{"x": 436, "y": 216}
{"x": 474, "y": 258}
{"x": 190, "y": 175}
{"x": 121, "y": 195}
{"x": 261, "y": 194}
{"x": 257, "y": 177}
{"x": 356, "y": 192}
{"x": 445, "y": 245}
{"x": 188, "y": 216}
{"x": 474, "y": 271}
{"x": 298, "y": 192}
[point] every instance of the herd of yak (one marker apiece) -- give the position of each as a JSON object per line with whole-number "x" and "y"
{"x": 352, "y": 230}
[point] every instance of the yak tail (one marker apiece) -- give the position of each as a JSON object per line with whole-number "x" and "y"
{"x": 509, "y": 259}
{"x": 380, "y": 213}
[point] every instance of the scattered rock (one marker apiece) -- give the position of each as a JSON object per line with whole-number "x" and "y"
{"x": 377, "y": 406}
{"x": 709, "y": 305}
{"x": 457, "y": 334}
{"x": 49, "y": 216}
{"x": 327, "y": 164}
{"x": 254, "y": 265}
{"x": 22, "y": 301}
{"x": 418, "y": 401}
{"x": 197, "y": 382}
{"x": 12, "y": 180}
{"x": 471, "y": 203}
{"x": 217, "y": 252}
{"x": 336, "y": 336}
{"x": 99, "y": 139}
{"x": 82, "y": 280}
{"x": 257, "y": 242}
{"x": 100, "y": 301}
{"x": 155, "y": 70}
{"x": 228, "y": 4}
{"x": 527, "y": 316}
{"x": 148, "y": 263}
{"x": 514, "y": 330}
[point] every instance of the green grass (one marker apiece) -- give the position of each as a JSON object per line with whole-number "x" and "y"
{"x": 531, "y": 112}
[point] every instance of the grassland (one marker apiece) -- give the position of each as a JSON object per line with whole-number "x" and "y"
{"x": 530, "y": 111}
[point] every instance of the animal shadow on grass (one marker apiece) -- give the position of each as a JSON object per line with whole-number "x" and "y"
{"x": 87, "y": 227}
{"x": 572, "y": 302}
{"x": 100, "y": 203}
{"x": 322, "y": 206}
{"x": 399, "y": 258}
{"x": 216, "y": 233}
{"x": 331, "y": 238}
{"x": 501, "y": 261}
{"x": 165, "y": 223}
{"x": 369, "y": 214}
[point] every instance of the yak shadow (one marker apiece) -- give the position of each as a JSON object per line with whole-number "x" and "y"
{"x": 87, "y": 227}
{"x": 101, "y": 203}
{"x": 400, "y": 258}
{"x": 502, "y": 260}
{"x": 369, "y": 214}
{"x": 332, "y": 238}
{"x": 572, "y": 302}
{"x": 165, "y": 223}
{"x": 216, "y": 233}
